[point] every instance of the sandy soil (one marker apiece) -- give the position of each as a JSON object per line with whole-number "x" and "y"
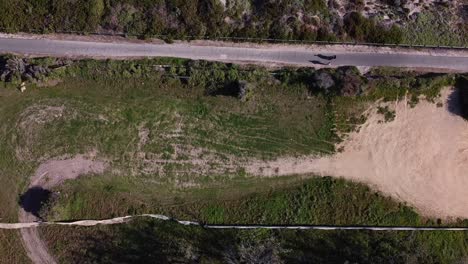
{"x": 49, "y": 174}
{"x": 54, "y": 172}
{"x": 420, "y": 158}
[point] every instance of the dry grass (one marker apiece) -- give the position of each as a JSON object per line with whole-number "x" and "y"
{"x": 10, "y": 248}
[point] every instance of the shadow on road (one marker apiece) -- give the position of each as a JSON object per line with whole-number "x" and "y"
{"x": 319, "y": 62}
{"x": 325, "y": 57}
{"x": 34, "y": 199}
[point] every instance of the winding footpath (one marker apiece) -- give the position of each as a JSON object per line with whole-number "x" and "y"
{"x": 48, "y": 175}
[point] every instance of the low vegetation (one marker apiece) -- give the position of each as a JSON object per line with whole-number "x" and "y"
{"x": 389, "y": 115}
{"x": 321, "y": 201}
{"x": 149, "y": 241}
{"x": 10, "y": 246}
{"x": 367, "y": 30}
{"x": 314, "y": 20}
{"x": 433, "y": 29}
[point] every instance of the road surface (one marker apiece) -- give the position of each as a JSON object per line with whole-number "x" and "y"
{"x": 281, "y": 54}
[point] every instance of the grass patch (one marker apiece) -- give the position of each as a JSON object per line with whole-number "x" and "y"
{"x": 314, "y": 201}
{"x": 433, "y": 29}
{"x": 10, "y": 246}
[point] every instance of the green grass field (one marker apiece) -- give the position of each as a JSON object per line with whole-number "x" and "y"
{"x": 176, "y": 140}
{"x": 102, "y": 106}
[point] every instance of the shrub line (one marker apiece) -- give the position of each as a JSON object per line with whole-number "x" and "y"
{"x": 126, "y": 219}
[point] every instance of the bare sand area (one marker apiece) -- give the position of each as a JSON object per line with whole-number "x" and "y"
{"x": 420, "y": 158}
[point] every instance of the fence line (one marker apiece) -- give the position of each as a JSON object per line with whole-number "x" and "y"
{"x": 223, "y": 38}
{"x": 126, "y": 219}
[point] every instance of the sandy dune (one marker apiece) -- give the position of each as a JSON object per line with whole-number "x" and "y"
{"x": 421, "y": 158}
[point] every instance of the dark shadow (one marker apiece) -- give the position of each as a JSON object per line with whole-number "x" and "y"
{"x": 152, "y": 241}
{"x": 453, "y": 103}
{"x": 3, "y": 62}
{"x": 319, "y": 62}
{"x": 34, "y": 199}
{"x": 431, "y": 75}
{"x": 325, "y": 57}
{"x": 231, "y": 89}
{"x": 458, "y": 99}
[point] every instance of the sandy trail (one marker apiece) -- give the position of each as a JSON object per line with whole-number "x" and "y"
{"x": 48, "y": 175}
{"x": 420, "y": 158}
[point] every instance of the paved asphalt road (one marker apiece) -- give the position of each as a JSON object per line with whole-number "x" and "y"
{"x": 291, "y": 56}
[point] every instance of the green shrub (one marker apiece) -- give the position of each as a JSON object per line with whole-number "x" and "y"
{"x": 389, "y": 115}
{"x": 96, "y": 10}
{"x": 179, "y": 19}
{"x": 367, "y": 30}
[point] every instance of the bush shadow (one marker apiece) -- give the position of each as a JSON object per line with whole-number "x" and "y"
{"x": 33, "y": 200}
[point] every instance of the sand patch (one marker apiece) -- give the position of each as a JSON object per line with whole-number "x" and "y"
{"x": 421, "y": 158}
{"x": 54, "y": 172}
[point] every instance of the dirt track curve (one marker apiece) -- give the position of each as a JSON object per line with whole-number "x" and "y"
{"x": 47, "y": 176}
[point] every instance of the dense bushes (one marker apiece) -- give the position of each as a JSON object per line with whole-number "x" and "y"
{"x": 146, "y": 241}
{"x": 177, "y": 19}
{"x": 367, "y": 30}
{"x": 14, "y": 69}
{"x": 344, "y": 81}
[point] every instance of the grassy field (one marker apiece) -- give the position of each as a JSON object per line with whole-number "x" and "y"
{"x": 11, "y": 248}
{"x": 103, "y": 106}
{"x": 176, "y": 138}
{"x": 315, "y": 201}
{"x": 13, "y": 174}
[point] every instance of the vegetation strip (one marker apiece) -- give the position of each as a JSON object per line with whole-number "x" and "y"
{"x": 125, "y": 219}
{"x": 311, "y": 20}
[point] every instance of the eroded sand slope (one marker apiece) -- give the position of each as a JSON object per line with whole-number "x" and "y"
{"x": 421, "y": 158}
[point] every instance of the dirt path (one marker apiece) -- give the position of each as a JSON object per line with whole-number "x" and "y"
{"x": 335, "y": 48}
{"x": 48, "y": 175}
{"x": 271, "y": 55}
{"x": 420, "y": 158}
{"x": 127, "y": 219}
